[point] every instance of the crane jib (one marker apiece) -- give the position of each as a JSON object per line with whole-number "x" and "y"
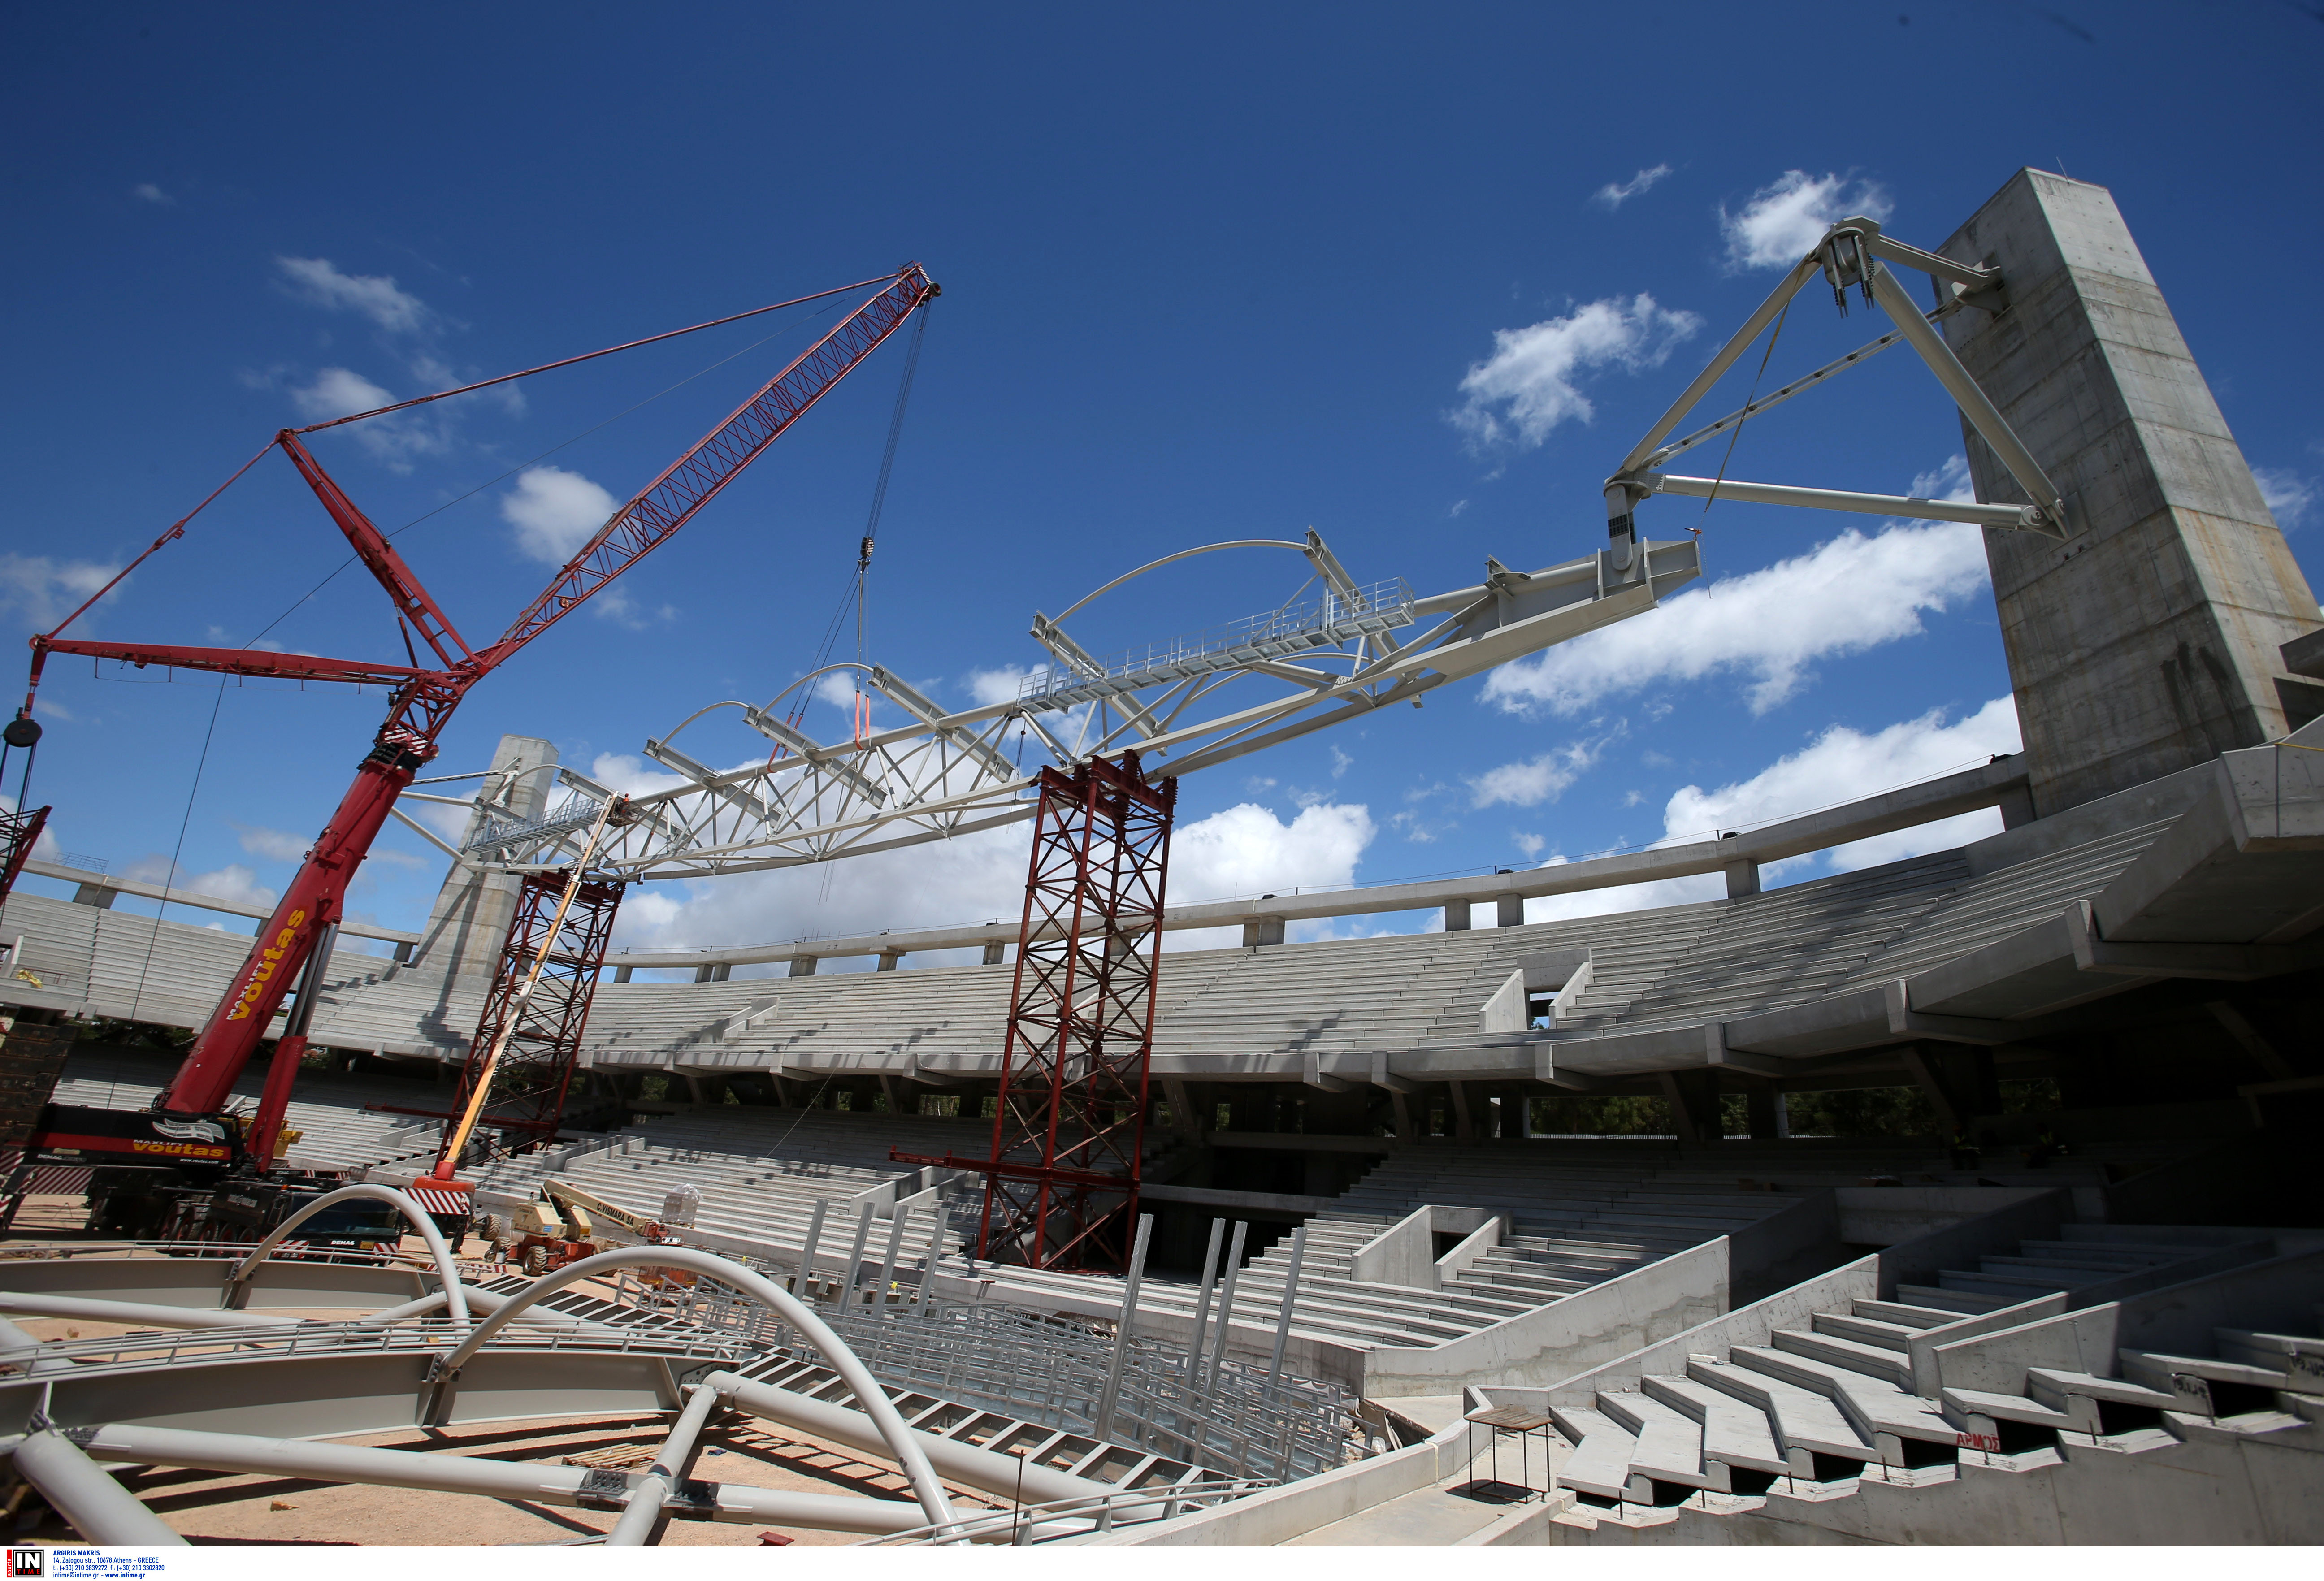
{"x": 424, "y": 699}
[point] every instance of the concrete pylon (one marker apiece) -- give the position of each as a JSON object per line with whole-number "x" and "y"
{"x": 470, "y": 921}
{"x": 2148, "y": 642}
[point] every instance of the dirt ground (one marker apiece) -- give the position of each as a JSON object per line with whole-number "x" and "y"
{"x": 211, "y": 1508}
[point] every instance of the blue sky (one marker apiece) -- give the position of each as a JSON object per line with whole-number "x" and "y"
{"x": 1417, "y": 277}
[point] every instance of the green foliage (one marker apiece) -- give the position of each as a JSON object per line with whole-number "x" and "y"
{"x": 1863, "y": 1111}
{"x": 2035, "y": 1095}
{"x": 653, "y": 1089}
{"x": 1601, "y": 1116}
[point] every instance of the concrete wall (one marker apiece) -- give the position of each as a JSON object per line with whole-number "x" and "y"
{"x": 2280, "y": 1294}
{"x": 1554, "y": 1342}
{"x": 1280, "y": 1515}
{"x": 2035, "y": 1215}
{"x": 2147, "y": 643}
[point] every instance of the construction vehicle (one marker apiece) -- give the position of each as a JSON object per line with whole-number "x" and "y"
{"x": 566, "y": 1224}
{"x": 185, "y": 1142}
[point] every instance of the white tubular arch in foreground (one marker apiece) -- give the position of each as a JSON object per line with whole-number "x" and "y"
{"x": 872, "y": 1399}
{"x": 456, "y": 1301}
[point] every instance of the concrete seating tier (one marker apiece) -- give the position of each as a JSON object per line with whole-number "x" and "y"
{"x": 337, "y": 1132}
{"x": 1236, "y": 1011}
{"x": 1826, "y": 1407}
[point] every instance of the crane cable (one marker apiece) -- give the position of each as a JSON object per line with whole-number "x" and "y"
{"x": 855, "y": 598}
{"x": 1773, "y": 336}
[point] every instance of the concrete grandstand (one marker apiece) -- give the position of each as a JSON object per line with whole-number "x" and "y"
{"x": 2017, "y": 1319}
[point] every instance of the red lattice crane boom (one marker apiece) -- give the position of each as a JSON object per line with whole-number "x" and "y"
{"x": 424, "y": 698}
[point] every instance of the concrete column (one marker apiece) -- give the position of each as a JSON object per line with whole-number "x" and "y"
{"x": 622, "y": 974}
{"x": 96, "y": 894}
{"x": 1742, "y": 878}
{"x": 2149, "y": 641}
{"x": 1262, "y": 930}
{"x": 1508, "y": 912}
{"x": 1694, "y": 1106}
{"x": 803, "y": 965}
{"x": 1765, "y": 1106}
{"x": 889, "y": 958}
{"x": 1456, "y": 917}
{"x": 468, "y": 925}
{"x": 713, "y": 974}
{"x": 996, "y": 954}
{"x": 1464, "y": 1128}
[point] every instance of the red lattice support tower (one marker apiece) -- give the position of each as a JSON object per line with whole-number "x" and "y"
{"x": 19, "y": 833}
{"x": 545, "y": 1046}
{"x": 1061, "y": 1185}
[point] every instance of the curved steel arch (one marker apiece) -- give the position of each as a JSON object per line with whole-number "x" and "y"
{"x": 874, "y": 1401}
{"x": 455, "y": 1300}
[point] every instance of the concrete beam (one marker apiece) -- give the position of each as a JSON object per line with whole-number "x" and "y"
{"x": 1947, "y": 796}
{"x": 102, "y": 889}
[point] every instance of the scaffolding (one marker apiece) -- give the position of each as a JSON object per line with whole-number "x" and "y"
{"x": 1061, "y": 1183}
{"x": 543, "y": 1026}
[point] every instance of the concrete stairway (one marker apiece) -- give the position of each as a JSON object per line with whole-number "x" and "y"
{"x": 1823, "y": 1409}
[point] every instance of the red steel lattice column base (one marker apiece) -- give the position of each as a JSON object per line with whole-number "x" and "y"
{"x": 1061, "y": 1185}
{"x": 537, "y": 1066}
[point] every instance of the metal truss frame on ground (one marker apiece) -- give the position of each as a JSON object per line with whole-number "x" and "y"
{"x": 1218, "y": 1414}
{"x": 1332, "y": 659}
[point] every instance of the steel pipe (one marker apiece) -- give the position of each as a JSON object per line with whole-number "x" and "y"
{"x": 643, "y": 1512}
{"x": 2009, "y": 518}
{"x": 910, "y": 1457}
{"x": 983, "y": 1469}
{"x": 571, "y": 1486}
{"x": 149, "y": 1312}
{"x": 85, "y": 1493}
{"x": 237, "y": 1284}
{"x": 1975, "y": 405}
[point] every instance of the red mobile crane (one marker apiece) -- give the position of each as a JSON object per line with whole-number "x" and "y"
{"x": 184, "y": 1125}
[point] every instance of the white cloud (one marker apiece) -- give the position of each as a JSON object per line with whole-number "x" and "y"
{"x": 627, "y": 773}
{"x": 1614, "y": 194}
{"x": 273, "y": 843}
{"x": 1842, "y": 765}
{"x": 232, "y": 882}
{"x": 1247, "y": 849}
{"x": 1655, "y": 893}
{"x": 1530, "y": 844}
{"x": 1242, "y": 850}
{"x": 1536, "y": 780}
{"x": 996, "y": 686}
{"x": 1950, "y": 483}
{"x": 39, "y": 591}
{"x": 394, "y": 440}
{"x": 147, "y": 192}
{"x": 1340, "y": 762}
{"x": 555, "y": 512}
{"x": 1791, "y": 215}
{"x": 1528, "y": 385}
{"x": 374, "y": 295}
{"x": 2288, "y": 494}
{"x": 1842, "y": 597}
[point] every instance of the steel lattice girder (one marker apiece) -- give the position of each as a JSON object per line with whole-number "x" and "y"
{"x": 1062, "y": 1180}
{"x": 537, "y": 1066}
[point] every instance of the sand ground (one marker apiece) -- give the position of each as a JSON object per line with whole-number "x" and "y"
{"x": 209, "y": 1507}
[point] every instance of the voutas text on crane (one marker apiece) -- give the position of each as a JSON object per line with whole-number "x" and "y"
{"x": 423, "y": 699}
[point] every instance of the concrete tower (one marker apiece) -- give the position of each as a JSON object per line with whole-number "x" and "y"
{"x": 2148, "y": 642}
{"x": 470, "y": 921}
